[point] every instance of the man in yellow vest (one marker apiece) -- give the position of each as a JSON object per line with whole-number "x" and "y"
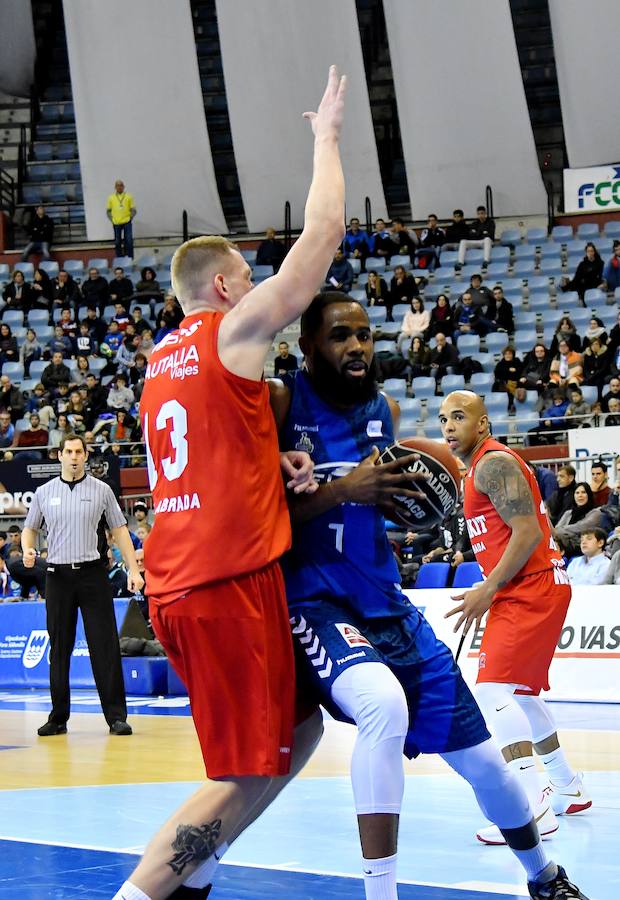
{"x": 120, "y": 211}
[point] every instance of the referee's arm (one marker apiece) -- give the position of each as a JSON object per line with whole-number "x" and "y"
{"x": 30, "y": 531}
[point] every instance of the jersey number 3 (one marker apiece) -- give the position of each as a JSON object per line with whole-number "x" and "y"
{"x": 173, "y": 467}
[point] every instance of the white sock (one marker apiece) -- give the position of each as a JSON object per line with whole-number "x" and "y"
{"x": 130, "y": 892}
{"x": 534, "y": 862}
{"x": 524, "y": 769}
{"x": 380, "y": 878}
{"x": 203, "y": 875}
{"x": 557, "y": 768}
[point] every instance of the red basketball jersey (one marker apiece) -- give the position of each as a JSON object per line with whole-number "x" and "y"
{"x": 213, "y": 461}
{"x": 489, "y": 534}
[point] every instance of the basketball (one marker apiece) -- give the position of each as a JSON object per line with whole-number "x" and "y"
{"x": 441, "y": 489}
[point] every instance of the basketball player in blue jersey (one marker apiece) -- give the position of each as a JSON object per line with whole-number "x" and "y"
{"x": 368, "y": 655}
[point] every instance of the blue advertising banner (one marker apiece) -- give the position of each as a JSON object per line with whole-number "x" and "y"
{"x": 25, "y": 646}
{"x": 20, "y": 478}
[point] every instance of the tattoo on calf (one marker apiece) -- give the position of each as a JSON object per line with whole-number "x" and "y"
{"x": 194, "y": 844}
{"x": 501, "y": 479}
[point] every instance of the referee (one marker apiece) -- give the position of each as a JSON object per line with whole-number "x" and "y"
{"x": 72, "y": 506}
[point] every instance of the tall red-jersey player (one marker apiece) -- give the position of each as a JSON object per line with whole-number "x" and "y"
{"x": 526, "y": 594}
{"x": 218, "y": 603}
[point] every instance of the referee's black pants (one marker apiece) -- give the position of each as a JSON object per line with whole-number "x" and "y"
{"x": 87, "y": 589}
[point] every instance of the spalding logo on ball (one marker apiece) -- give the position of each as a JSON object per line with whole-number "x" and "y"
{"x": 441, "y": 488}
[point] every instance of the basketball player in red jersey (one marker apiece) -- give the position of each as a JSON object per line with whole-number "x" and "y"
{"x": 526, "y": 593}
{"x": 221, "y": 523}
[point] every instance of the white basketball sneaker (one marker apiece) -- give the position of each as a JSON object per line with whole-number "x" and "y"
{"x": 544, "y": 817}
{"x": 570, "y": 798}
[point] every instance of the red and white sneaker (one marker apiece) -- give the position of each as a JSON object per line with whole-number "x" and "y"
{"x": 570, "y": 798}
{"x": 545, "y": 819}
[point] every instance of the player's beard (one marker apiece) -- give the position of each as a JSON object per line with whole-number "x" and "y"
{"x": 336, "y": 388}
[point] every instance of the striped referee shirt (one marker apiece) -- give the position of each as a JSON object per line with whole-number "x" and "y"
{"x": 72, "y": 511}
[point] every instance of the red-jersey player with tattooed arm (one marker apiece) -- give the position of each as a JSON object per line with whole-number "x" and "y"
{"x": 216, "y": 592}
{"x": 526, "y": 594}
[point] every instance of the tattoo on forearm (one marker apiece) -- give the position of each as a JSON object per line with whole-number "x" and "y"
{"x": 505, "y": 485}
{"x": 194, "y": 844}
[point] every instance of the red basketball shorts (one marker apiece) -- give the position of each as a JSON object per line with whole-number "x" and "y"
{"x": 522, "y": 632}
{"x": 230, "y": 643}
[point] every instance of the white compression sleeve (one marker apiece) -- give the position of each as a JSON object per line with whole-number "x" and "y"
{"x": 371, "y": 695}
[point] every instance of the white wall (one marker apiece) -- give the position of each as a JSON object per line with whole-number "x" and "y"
{"x": 462, "y": 108}
{"x": 140, "y": 115}
{"x": 585, "y": 41}
{"x": 17, "y": 47}
{"x": 276, "y": 56}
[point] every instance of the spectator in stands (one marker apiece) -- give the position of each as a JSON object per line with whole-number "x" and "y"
{"x": 125, "y": 358}
{"x": 60, "y": 343}
{"x": 121, "y": 316}
{"x": 148, "y": 343}
{"x": 415, "y": 323}
{"x": 120, "y": 396}
{"x": 121, "y": 287}
{"x": 35, "y": 436}
{"x": 561, "y": 499}
{"x": 42, "y": 290}
{"x": 61, "y": 401}
{"x": 140, "y": 515}
{"x": 82, "y": 370}
{"x": 7, "y": 433}
{"x": 285, "y": 361}
{"x": 499, "y": 315}
{"x": 419, "y": 356}
{"x": 481, "y": 295}
{"x": 11, "y": 398}
{"x": 457, "y": 231}
{"x": 67, "y": 323}
{"x": 149, "y": 286}
{"x": 356, "y": 241}
{"x": 583, "y": 514}
{"x": 481, "y": 236}
{"x": 507, "y": 373}
{"x": 599, "y": 482}
{"x": 611, "y": 270}
{"x": 566, "y": 366}
{"x": 613, "y": 572}
{"x": 17, "y": 294}
{"x": 76, "y": 412}
{"x": 536, "y": 368}
{"x": 340, "y": 274}
{"x": 380, "y": 242}
{"x": 97, "y": 328}
{"x": 565, "y": 331}
{"x": 595, "y": 329}
{"x": 593, "y": 565}
{"x": 84, "y": 344}
{"x": 65, "y": 291}
{"x": 613, "y": 392}
{"x": 271, "y": 251}
{"x": 432, "y": 239}
{"x": 441, "y": 316}
{"x": 404, "y": 240}
{"x": 588, "y": 274}
{"x": 612, "y": 418}
{"x": 403, "y": 288}
{"x": 546, "y": 479}
{"x": 114, "y": 337}
{"x": 121, "y": 211}
{"x": 59, "y": 431}
{"x": 121, "y": 429}
{"x": 139, "y": 322}
{"x": 39, "y": 401}
{"x": 377, "y": 293}
{"x": 465, "y": 319}
{"x": 170, "y": 316}
{"x": 578, "y": 411}
{"x": 41, "y": 233}
{"x": 444, "y": 357}
{"x": 597, "y": 364}
{"x": 95, "y": 290}
{"x": 137, "y": 374}
{"x": 96, "y": 401}
{"x": 552, "y": 421}
{"x": 55, "y": 373}
{"x": 9, "y": 351}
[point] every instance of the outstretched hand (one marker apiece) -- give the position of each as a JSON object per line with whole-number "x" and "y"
{"x": 473, "y": 605}
{"x": 327, "y": 120}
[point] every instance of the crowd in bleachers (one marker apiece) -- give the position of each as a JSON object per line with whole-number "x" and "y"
{"x": 74, "y": 347}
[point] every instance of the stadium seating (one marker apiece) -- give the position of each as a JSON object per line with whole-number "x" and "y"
{"x": 395, "y": 387}
{"x": 423, "y": 387}
{"x": 452, "y": 383}
{"x": 481, "y": 383}
{"x": 467, "y": 574}
{"x": 433, "y": 575}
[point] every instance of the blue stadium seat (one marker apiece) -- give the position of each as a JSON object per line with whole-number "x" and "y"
{"x": 576, "y": 247}
{"x": 423, "y": 387}
{"x": 523, "y": 268}
{"x": 524, "y": 341}
{"x": 525, "y": 418}
{"x": 538, "y": 283}
{"x": 469, "y": 270}
{"x": 474, "y": 256}
{"x": 495, "y": 341}
{"x": 260, "y": 273}
{"x": 590, "y": 393}
{"x": 376, "y": 315}
{"x": 500, "y": 254}
{"x": 51, "y": 112}
{"x": 497, "y": 405}
{"x": 99, "y": 262}
{"x": 96, "y": 364}
{"x": 431, "y": 409}
{"x": 496, "y": 271}
{"x": 14, "y": 318}
{"x": 49, "y": 266}
{"x": 395, "y": 387}
{"x": 125, "y": 263}
{"x": 539, "y": 301}
{"x": 452, "y": 383}
{"x": 433, "y": 575}
{"x": 358, "y": 295}
{"x": 32, "y": 195}
{"x": 481, "y": 383}
{"x": 38, "y": 317}
{"x": 525, "y": 319}
{"x": 72, "y": 170}
{"x": 551, "y": 268}
{"x": 43, "y": 152}
{"x": 36, "y": 368}
{"x": 432, "y": 429}
{"x": 595, "y": 297}
{"x": 44, "y": 334}
{"x": 588, "y": 231}
{"x": 385, "y": 347}
{"x": 612, "y": 229}
{"x": 443, "y": 273}
{"x": 75, "y": 267}
{"x": 552, "y": 317}
{"x": 581, "y": 317}
{"x": 510, "y": 237}
{"x": 568, "y": 300}
{"x": 486, "y": 360}
{"x": 513, "y": 285}
{"x": 68, "y": 114}
{"x": 26, "y": 267}
{"x": 551, "y": 251}
{"x": 376, "y": 264}
{"x": 39, "y": 172}
{"x": 398, "y": 260}
{"x": 525, "y": 251}
{"x": 58, "y": 193}
{"x": 467, "y": 574}
{"x": 608, "y": 314}
{"x": 562, "y": 233}
{"x": 468, "y": 344}
{"x": 536, "y": 236}
{"x": 410, "y": 407}
{"x": 449, "y": 258}
{"x": 66, "y": 150}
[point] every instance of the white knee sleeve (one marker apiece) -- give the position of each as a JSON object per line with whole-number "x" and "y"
{"x": 499, "y": 794}
{"x": 371, "y": 695}
{"x": 541, "y": 721}
{"x": 504, "y": 716}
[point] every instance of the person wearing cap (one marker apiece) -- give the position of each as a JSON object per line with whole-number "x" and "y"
{"x": 140, "y": 515}
{"x": 72, "y": 506}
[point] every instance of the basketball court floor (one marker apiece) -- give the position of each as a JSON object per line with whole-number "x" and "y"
{"x": 76, "y": 811}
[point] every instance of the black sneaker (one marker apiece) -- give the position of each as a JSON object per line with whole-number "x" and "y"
{"x": 559, "y": 888}
{"x": 50, "y": 729}
{"x": 119, "y": 727}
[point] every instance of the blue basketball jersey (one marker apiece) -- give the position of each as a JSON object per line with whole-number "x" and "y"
{"x": 343, "y": 554}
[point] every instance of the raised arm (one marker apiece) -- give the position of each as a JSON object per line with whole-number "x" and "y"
{"x": 278, "y": 301}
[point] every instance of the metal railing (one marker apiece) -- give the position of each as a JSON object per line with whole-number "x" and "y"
{"x": 8, "y": 192}
{"x": 288, "y": 234}
{"x": 488, "y": 196}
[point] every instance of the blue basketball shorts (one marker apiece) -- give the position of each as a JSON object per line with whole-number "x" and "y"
{"x": 443, "y": 715}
